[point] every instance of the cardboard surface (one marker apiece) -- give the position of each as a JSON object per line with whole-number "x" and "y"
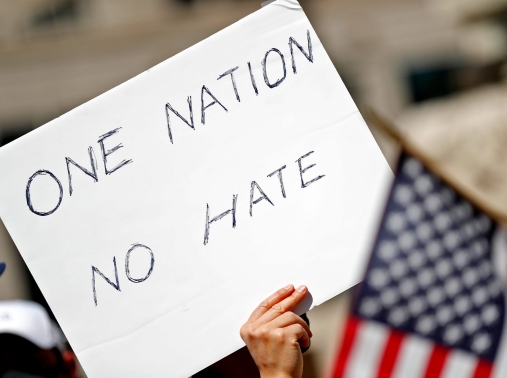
{"x": 141, "y": 264}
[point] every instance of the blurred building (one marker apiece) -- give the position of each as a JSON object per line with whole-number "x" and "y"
{"x": 435, "y": 67}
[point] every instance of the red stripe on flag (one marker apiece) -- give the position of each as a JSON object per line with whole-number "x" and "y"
{"x": 436, "y": 361}
{"x": 390, "y": 354}
{"x": 483, "y": 369}
{"x": 346, "y": 346}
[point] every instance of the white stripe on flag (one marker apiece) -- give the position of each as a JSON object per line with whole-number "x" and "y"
{"x": 499, "y": 262}
{"x": 459, "y": 364}
{"x": 367, "y": 350}
{"x": 500, "y": 366}
{"x": 413, "y": 357}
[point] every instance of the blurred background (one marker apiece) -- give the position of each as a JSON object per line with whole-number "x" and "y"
{"x": 436, "y": 68}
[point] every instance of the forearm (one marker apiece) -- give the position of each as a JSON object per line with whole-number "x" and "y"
{"x": 279, "y": 375}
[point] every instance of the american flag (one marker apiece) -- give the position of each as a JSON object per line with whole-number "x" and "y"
{"x": 432, "y": 304}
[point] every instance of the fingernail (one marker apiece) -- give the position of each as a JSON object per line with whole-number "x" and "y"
{"x": 301, "y": 288}
{"x": 288, "y": 287}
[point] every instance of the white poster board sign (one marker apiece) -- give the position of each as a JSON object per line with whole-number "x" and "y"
{"x": 157, "y": 216}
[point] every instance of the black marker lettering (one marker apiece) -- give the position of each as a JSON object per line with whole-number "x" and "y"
{"x": 303, "y": 170}
{"x": 168, "y": 108}
{"x": 308, "y": 55}
{"x": 93, "y": 164}
{"x": 203, "y": 108}
{"x": 127, "y": 264}
{"x": 264, "y": 68}
{"x": 231, "y": 72}
{"x": 262, "y": 197}
{"x": 217, "y": 218}
{"x": 116, "y": 286}
{"x": 105, "y": 153}
{"x": 43, "y": 172}
{"x": 279, "y": 172}
{"x": 252, "y": 78}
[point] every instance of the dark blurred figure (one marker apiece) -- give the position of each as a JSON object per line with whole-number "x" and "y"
{"x": 31, "y": 345}
{"x": 184, "y": 1}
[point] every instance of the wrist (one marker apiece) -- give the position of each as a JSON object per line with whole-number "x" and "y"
{"x": 276, "y": 375}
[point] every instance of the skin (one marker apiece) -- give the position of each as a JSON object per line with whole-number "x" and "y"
{"x": 274, "y": 335}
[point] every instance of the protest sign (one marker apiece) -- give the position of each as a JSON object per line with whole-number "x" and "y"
{"x": 156, "y": 216}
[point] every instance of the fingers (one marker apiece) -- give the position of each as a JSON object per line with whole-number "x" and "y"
{"x": 270, "y": 302}
{"x": 287, "y": 304}
{"x": 300, "y": 335}
{"x": 289, "y": 318}
{"x": 275, "y": 336}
